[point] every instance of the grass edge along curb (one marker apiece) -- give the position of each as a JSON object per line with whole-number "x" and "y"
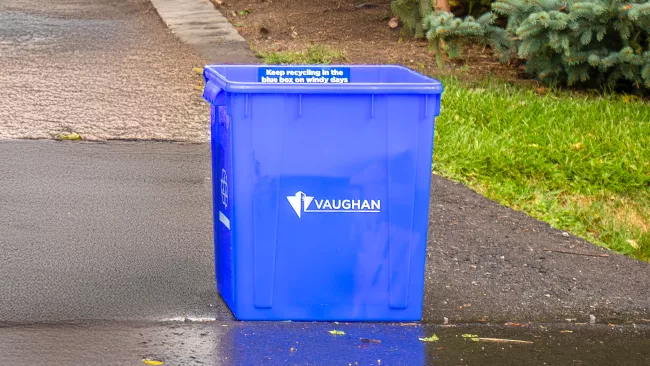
{"x": 578, "y": 162}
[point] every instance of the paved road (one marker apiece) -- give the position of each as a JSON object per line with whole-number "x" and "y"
{"x": 106, "y": 231}
{"x": 107, "y": 69}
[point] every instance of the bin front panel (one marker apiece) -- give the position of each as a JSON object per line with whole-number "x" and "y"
{"x": 331, "y": 205}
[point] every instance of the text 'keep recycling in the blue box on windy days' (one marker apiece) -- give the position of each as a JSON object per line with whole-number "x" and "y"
{"x": 304, "y": 75}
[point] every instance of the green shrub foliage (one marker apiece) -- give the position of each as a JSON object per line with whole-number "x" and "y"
{"x": 601, "y": 42}
{"x": 411, "y": 13}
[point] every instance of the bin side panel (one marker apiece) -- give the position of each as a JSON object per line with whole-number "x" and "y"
{"x": 243, "y": 168}
{"x": 222, "y": 201}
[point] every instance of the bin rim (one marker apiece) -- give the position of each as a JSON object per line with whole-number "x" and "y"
{"x": 429, "y": 86}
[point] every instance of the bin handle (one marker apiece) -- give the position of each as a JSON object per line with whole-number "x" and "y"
{"x": 211, "y": 91}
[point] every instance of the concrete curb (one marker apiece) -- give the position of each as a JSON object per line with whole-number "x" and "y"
{"x": 204, "y": 28}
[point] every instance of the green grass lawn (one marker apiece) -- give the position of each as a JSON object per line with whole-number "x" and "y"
{"x": 580, "y": 163}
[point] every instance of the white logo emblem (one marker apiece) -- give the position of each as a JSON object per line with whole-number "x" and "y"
{"x": 300, "y": 202}
{"x": 224, "y": 188}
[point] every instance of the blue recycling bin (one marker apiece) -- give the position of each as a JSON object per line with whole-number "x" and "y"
{"x": 321, "y": 189}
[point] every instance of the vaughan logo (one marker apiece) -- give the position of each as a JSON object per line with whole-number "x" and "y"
{"x": 303, "y": 203}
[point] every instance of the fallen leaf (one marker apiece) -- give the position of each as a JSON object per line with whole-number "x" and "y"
{"x": 151, "y": 361}
{"x": 198, "y": 70}
{"x": 611, "y": 325}
{"x": 469, "y": 336}
{"x": 219, "y": 2}
{"x": 566, "y": 331}
{"x": 337, "y": 332}
{"x": 633, "y": 243}
{"x": 68, "y": 136}
{"x": 577, "y": 146}
{"x": 393, "y": 23}
{"x": 433, "y": 338}
{"x": 508, "y": 324}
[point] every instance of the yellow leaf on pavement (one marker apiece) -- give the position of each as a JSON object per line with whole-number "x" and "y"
{"x": 68, "y": 136}
{"x": 433, "y": 338}
{"x": 149, "y": 361}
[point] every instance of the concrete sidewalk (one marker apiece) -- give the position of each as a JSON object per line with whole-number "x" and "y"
{"x": 198, "y": 24}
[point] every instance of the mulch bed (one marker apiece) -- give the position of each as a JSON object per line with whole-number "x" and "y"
{"x": 362, "y": 33}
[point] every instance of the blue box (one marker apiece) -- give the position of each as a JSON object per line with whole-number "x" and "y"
{"x": 321, "y": 189}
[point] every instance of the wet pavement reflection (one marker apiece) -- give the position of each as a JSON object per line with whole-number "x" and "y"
{"x": 286, "y": 343}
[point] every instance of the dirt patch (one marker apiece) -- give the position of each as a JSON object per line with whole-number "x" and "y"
{"x": 633, "y": 217}
{"x": 362, "y": 33}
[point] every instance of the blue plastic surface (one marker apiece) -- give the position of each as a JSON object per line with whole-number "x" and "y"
{"x": 321, "y": 190}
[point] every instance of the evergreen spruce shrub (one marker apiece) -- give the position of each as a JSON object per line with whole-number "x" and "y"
{"x": 411, "y": 14}
{"x": 598, "y": 42}
{"x": 448, "y": 34}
